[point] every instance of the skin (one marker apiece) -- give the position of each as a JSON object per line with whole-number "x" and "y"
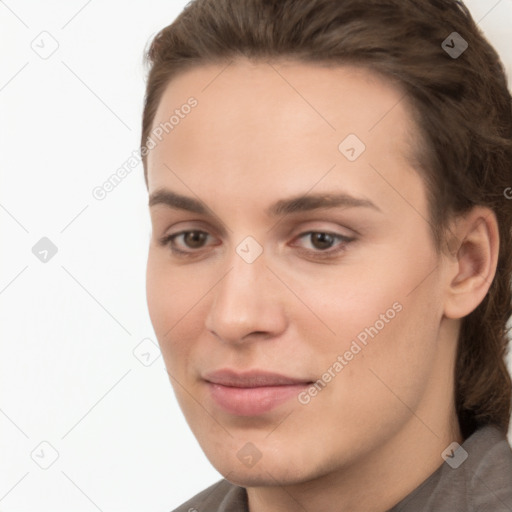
{"x": 263, "y": 132}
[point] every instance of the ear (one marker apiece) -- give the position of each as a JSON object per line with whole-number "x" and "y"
{"x": 474, "y": 246}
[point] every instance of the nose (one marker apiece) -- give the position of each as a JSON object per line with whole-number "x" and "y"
{"x": 247, "y": 303}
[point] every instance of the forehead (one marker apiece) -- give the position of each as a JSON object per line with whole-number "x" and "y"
{"x": 280, "y": 115}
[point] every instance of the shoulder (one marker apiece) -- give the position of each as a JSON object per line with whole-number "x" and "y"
{"x": 223, "y": 496}
{"x": 477, "y": 479}
{"x": 490, "y": 478}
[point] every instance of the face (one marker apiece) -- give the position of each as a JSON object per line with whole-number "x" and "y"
{"x": 295, "y": 293}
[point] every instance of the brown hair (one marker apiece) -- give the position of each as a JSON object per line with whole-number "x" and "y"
{"x": 461, "y": 105}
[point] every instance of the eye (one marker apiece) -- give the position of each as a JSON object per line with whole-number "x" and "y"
{"x": 322, "y": 243}
{"x": 193, "y": 240}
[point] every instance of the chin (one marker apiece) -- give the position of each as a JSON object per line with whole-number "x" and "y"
{"x": 265, "y": 472}
{"x": 263, "y": 477}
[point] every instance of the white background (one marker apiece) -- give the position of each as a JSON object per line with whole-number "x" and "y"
{"x": 68, "y": 374}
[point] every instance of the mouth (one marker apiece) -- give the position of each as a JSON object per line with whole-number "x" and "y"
{"x": 252, "y": 393}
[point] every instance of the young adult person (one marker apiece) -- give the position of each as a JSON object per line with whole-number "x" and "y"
{"x": 329, "y": 269}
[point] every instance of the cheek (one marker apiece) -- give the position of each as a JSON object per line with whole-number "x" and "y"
{"x": 158, "y": 298}
{"x": 175, "y": 301}
{"x": 164, "y": 293}
{"x": 397, "y": 332}
{"x": 168, "y": 295}
{"x": 385, "y": 316}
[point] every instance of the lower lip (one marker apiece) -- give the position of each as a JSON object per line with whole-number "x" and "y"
{"x": 252, "y": 401}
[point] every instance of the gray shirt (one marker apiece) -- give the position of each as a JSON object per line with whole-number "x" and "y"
{"x": 482, "y": 482}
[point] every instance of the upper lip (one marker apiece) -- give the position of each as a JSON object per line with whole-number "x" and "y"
{"x": 251, "y": 379}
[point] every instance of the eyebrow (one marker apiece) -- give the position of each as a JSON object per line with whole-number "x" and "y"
{"x": 296, "y": 204}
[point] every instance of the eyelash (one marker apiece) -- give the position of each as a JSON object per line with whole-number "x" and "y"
{"x": 319, "y": 254}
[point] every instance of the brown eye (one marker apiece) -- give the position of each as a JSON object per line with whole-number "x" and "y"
{"x": 323, "y": 245}
{"x": 322, "y": 241}
{"x": 194, "y": 239}
{"x": 185, "y": 242}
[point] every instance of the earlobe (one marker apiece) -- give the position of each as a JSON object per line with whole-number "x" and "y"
{"x": 472, "y": 267}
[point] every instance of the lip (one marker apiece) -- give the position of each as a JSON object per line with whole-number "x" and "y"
{"x": 253, "y": 392}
